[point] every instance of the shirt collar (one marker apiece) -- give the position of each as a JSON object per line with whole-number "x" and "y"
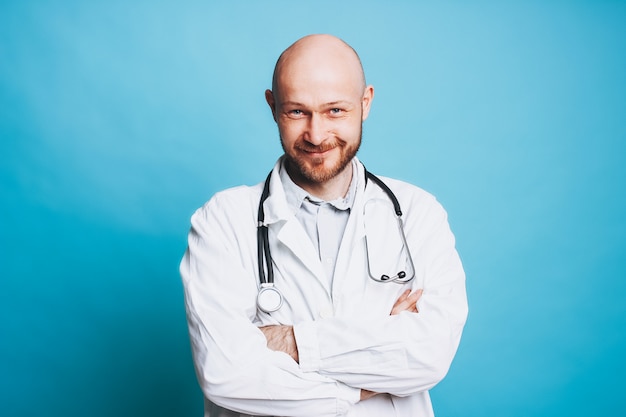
{"x": 295, "y": 195}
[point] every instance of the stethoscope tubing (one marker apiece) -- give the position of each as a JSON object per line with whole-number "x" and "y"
{"x": 263, "y": 251}
{"x": 269, "y": 292}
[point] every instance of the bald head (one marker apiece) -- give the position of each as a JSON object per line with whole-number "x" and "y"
{"x": 319, "y": 101}
{"x": 321, "y": 54}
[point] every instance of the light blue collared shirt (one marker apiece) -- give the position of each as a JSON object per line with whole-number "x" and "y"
{"x": 323, "y": 221}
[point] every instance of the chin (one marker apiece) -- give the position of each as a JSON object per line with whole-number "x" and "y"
{"x": 323, "y": 172}
{"x": 320, "y": 169}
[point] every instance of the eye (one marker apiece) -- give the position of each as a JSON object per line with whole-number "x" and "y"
{"x": 336, "y": 111}
{"x": 295, "y": 113}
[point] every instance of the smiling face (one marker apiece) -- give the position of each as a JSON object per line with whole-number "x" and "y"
{"x": 319, "y": 103}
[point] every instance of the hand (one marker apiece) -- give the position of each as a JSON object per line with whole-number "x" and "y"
{"x": 365, "y": 394}
{"x": 281, "y": 339}
{"x": 407, "y": 302}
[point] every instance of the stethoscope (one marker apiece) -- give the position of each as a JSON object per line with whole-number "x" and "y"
{"x": 270, "y": 299}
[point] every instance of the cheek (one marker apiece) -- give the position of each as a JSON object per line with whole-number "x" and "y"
{"x": 289, "y": 132}
{"x": 350, "y": 129}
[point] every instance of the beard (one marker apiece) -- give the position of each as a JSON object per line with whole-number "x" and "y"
{"x": 315, "y": 170}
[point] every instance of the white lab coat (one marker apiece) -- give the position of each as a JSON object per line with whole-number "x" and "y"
{"x": 346, "y": 338}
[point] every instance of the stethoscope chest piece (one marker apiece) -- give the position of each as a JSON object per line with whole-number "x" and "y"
{"x": 269, "y": 298}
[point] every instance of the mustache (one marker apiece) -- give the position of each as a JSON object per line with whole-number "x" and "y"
{"x": 323, "y": 147}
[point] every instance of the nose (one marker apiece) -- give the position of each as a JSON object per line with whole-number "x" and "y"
{"x": 316, "y": 132}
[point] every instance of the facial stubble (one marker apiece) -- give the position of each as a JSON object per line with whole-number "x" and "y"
{"x": 318, "y": 174}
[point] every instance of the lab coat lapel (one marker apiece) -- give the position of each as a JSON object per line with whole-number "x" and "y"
{"x": 293, "y": 236}
{"x": 287, "y": 229}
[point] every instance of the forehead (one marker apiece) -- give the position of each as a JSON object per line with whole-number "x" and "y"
{"x": 327, "y": 79}
{"x": 326, "y": 85}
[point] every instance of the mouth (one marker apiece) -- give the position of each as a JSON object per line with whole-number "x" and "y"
{"x": 318, "y": 151}
{"x": 317, "y": 154}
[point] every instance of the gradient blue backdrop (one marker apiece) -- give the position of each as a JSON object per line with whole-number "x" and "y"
{"x": 119, "y": 118}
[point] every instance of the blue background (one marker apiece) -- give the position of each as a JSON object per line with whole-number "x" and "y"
{"x": 119, "y": 118}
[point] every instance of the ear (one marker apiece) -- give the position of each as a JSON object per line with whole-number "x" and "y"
{"x": 366, "y": 102}
{"x": 269, "y": 97}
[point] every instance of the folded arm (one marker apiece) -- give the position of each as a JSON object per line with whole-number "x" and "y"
{"x": 234, "y": 366}
{"x": 281, "y": 337}
{"x": 403, "y": 353}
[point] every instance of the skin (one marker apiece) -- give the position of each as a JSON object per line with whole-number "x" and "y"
{"x": 319, "y": 101}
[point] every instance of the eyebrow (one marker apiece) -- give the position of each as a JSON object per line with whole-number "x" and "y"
{"x": 329, "y": 104}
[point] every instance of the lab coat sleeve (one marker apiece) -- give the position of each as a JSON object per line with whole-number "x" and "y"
{"x": 406, "y": 353}
{"x": 234, "y": 367}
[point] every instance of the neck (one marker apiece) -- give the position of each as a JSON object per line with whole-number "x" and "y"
{"x": 332, "y": 189}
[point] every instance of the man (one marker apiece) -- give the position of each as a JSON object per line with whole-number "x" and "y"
{"x": 340, "y": 341}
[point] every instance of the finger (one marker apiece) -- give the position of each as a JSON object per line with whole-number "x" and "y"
{"x": 415, "y": 296}
{"x": 402, "y": 297}
{"x": 365, "y": 394}
{"x": 406, "y": 305}
{"x": 412, "y": 298}
{"x": 407, "y": 302}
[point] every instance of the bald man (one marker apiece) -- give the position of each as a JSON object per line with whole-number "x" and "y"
{"x": 305, "y": 295}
